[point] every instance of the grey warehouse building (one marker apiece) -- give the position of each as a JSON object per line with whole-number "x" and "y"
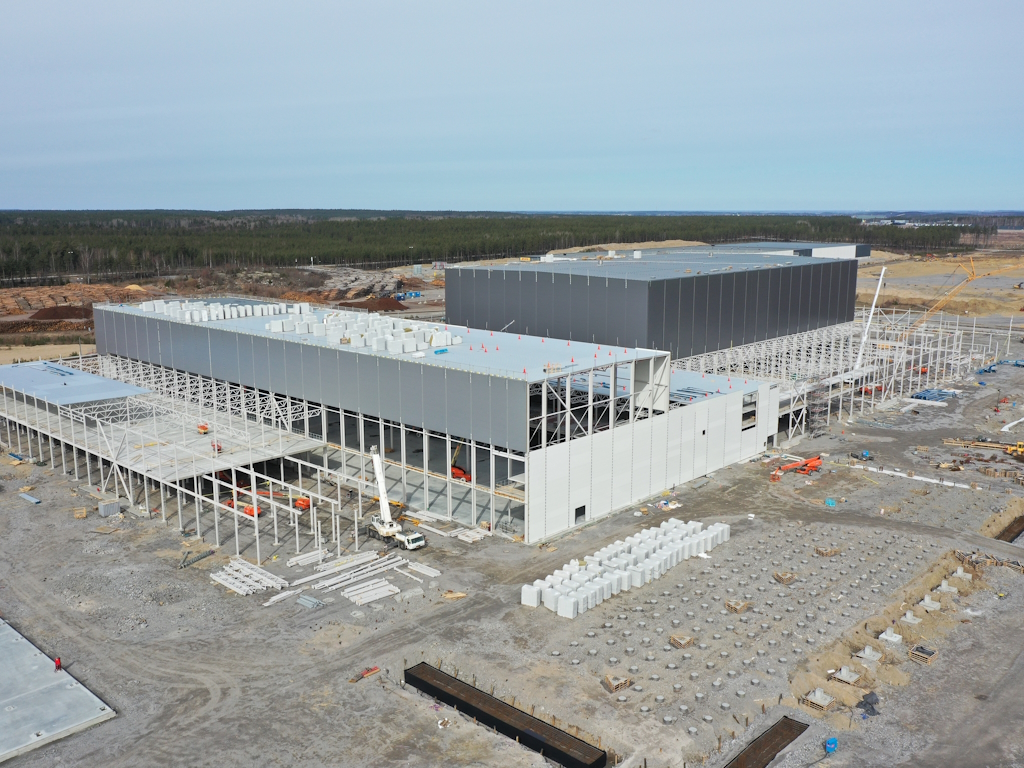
{"x": 685, "y": 301}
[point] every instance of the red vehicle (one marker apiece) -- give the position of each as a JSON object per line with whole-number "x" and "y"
{"x": 802, "y": 467}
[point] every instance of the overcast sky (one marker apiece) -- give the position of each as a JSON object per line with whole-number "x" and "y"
{"x": 512, "y": 106}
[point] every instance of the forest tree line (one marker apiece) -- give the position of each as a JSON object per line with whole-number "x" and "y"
{"x": 135, "y": 244}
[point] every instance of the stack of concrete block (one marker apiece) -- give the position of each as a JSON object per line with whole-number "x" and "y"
{"x": 581, "y": 585}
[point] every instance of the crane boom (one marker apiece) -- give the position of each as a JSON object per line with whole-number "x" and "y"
{"x": 972, "y": 275}
{"x": 382, "y": 491}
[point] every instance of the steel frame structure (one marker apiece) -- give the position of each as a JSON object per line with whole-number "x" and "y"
{"x": 227, "y": 406}
{"x": 818, "y": 369}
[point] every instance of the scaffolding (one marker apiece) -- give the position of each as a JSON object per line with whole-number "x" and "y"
{"x": 818, "y": 374}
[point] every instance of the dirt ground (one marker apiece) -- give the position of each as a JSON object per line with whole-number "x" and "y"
{"x": 21, "y": 354}
{"x": 200, "y": 676}
{"x": 918, "y": 282}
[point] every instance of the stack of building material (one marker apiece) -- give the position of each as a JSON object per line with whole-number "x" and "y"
{"x": 316, "y": 556}
{"x": 578, "y": 587}
{"x": 363, "y": 572}
{"x": 282, "y": 596}
{"x": 469, "y": 535}
{"x": 370, "y": 591}
{"x": 246, "y": 579}
{"x": 426, "y": 570}
{"x": 308, "y": 601}
{"x": 336, "y": 567}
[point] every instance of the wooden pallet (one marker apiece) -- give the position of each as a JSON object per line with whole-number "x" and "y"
{"x": 681, "y": 641}
{"x": 821, "y": 708}
{"x": 737, "y": 606}
{"x": 826, "y": 551}
{"x": 614, "y": 683}
{"x": 923, "y": 655}
{"x": 834, "y": 676}
{"x": 784, "y": 577}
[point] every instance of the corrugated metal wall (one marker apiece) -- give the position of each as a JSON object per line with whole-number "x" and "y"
{"x": 488, "y": 409}
{"x": 685, "y": 316}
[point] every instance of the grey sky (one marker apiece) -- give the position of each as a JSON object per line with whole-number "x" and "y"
{"x": 524, "y": 106}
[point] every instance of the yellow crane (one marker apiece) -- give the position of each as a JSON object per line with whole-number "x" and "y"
{"x": 972, "y": 275}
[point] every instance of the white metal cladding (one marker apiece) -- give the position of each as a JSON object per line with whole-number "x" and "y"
{"x": 613, "y": 469}
{"x": 490, "y": 409}
{"x": 733, "y": 419}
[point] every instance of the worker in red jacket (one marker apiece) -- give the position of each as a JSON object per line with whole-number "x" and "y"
{"x": 56, "y": 664}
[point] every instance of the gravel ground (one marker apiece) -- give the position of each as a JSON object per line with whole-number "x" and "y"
{"x": 200, "y": 676}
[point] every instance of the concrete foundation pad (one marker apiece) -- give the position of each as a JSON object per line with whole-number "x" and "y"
{"x": 38, "y": 705}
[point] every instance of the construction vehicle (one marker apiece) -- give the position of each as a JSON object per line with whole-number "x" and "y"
{"x": 1011, "y": 449}
{"x": 802, "y": 467}
{"x": 862, "y": 456}
{"x": 1019, "y": 286}
{"x": 382, "y": 526}
{"x": 458, "y": 473}
{"x": 248, "y": 509}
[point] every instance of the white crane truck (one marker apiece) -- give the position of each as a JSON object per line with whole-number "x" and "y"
{"x": 382, "y": 525}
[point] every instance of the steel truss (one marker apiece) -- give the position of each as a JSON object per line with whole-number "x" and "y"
{"x": 817, "y": 369}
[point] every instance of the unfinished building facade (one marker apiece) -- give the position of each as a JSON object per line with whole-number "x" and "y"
{"x": 528, "y": 435}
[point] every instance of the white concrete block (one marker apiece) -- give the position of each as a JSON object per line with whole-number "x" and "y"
{"x": 530, "y": 596}
{"x": 605, "y": 586}
{"x": 581, "y": 602}
{"x": 625, "y": 580}
{"x": 550, "y": 599}
{"x": 636, "y": 574}
{"x": 568, "y": 607}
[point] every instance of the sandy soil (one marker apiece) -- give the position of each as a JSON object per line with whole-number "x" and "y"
{"x": 629, "y": 246}
{"x": 43, "y": 352}
{"x": 919, "y": 282}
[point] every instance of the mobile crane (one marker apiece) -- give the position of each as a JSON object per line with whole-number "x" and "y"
{"x": 382, "y": 526}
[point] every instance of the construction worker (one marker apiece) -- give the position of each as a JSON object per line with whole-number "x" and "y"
{"x": 56, "y": 664}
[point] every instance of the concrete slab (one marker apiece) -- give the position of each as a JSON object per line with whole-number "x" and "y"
{"x": 38, "y": 705}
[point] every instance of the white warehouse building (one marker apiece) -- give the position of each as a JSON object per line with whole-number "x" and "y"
{"x": 531, "y": 436}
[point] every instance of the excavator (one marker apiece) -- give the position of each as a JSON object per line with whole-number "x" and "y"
{"x": 802, "y": 467}
{"x": 382, "y": 526}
